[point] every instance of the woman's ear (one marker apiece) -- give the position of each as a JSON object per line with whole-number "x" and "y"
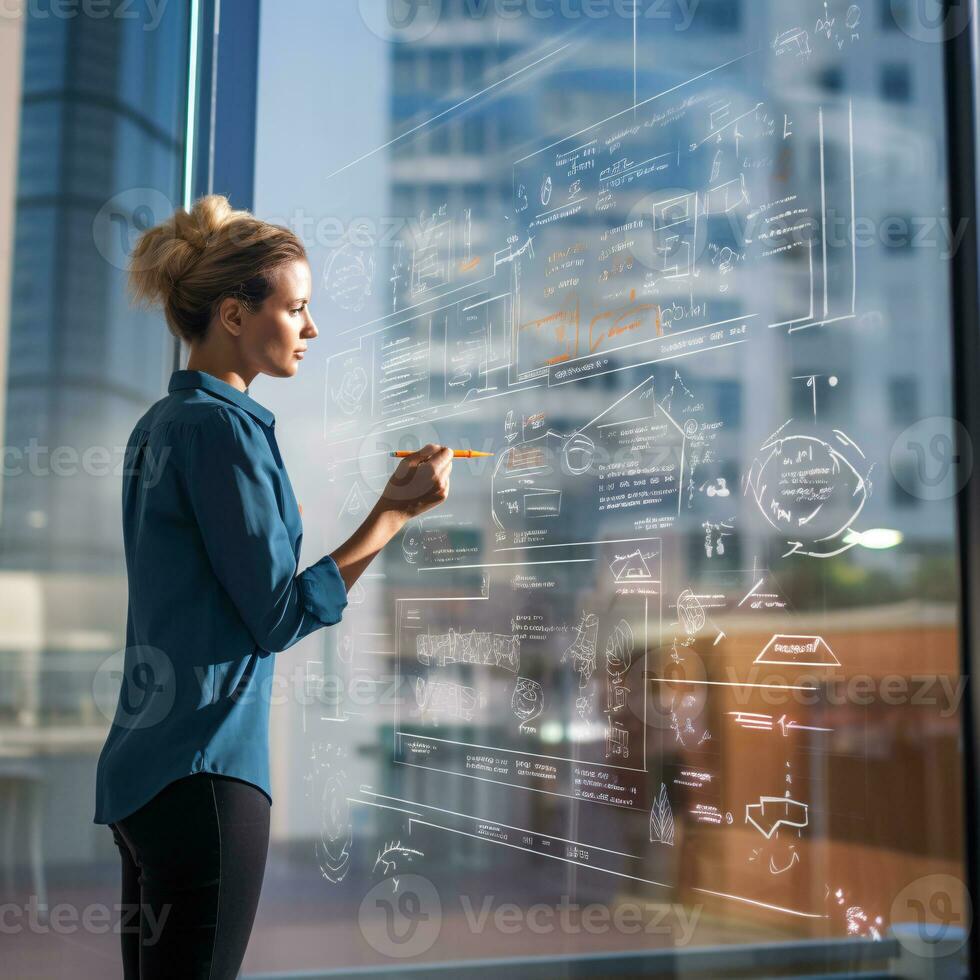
{"x": 230, "y": 315}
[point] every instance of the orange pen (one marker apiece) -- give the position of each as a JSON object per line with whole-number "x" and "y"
{"x": 457, "y": 453}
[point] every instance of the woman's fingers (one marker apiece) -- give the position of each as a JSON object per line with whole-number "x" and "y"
{"x": 422, "y": 479}
{"x": 443, "y": 459}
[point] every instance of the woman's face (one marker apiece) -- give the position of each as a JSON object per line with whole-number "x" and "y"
{"x": 280, "y": 330}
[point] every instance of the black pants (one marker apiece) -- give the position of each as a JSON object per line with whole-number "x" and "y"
{"x": 193, "y": 859}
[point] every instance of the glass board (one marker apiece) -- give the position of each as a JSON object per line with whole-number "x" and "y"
{"x": 687, "y": 642}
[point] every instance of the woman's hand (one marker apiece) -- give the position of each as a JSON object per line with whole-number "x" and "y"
{"x": 420, "y": 482}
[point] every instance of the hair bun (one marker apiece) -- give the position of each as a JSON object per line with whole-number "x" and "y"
{"x": 188, "y": 262}
{"x": 197, "y": 226}
{"x": 166, "y": 253}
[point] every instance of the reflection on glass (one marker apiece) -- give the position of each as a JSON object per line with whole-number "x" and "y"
{"x": 93, "y": 133}
{"x": 688, "y": 641}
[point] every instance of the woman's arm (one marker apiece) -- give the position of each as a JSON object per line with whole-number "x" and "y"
{"x": 231, "y": 481}
{"x": 420, "y": 482}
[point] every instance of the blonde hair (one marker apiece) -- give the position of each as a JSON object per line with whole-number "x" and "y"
{"x": 195, "y": 259}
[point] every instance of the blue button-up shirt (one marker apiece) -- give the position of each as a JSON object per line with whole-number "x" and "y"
{"x": 212, "y": 535}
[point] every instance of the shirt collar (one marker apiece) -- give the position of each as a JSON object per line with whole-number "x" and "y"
{"x": 200, "y": 379}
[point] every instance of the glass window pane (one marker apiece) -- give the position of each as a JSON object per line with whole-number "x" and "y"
{"x": 666, "y": 647}
{"x": 93, "y": 128}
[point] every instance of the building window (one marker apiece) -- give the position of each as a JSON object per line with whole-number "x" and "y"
{"x": 404, "y": 148}
{"x": 440, "y": 72}
{"x": 896, "y": 83}
{"x": 903, "y": 400}
{"x": 438, "y": 196}
{"x": 472, "y": 66}
{"x": 403, "y": 200}
{"x": 834, "y": 160}
{"x": 404, "y": 71}
{"x": 474, "y": 135}
{"x": 831, "y": 79}
{"x": 728, "y": 399}
{"x": 439, "y": 140}
{"x": 905, "y": 476}
{"x": 475, "y": 198}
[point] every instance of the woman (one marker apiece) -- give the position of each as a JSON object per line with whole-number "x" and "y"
{"x": 212, "y": 534}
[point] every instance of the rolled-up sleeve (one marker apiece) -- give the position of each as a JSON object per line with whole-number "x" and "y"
{"x": 231, "y": 481}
